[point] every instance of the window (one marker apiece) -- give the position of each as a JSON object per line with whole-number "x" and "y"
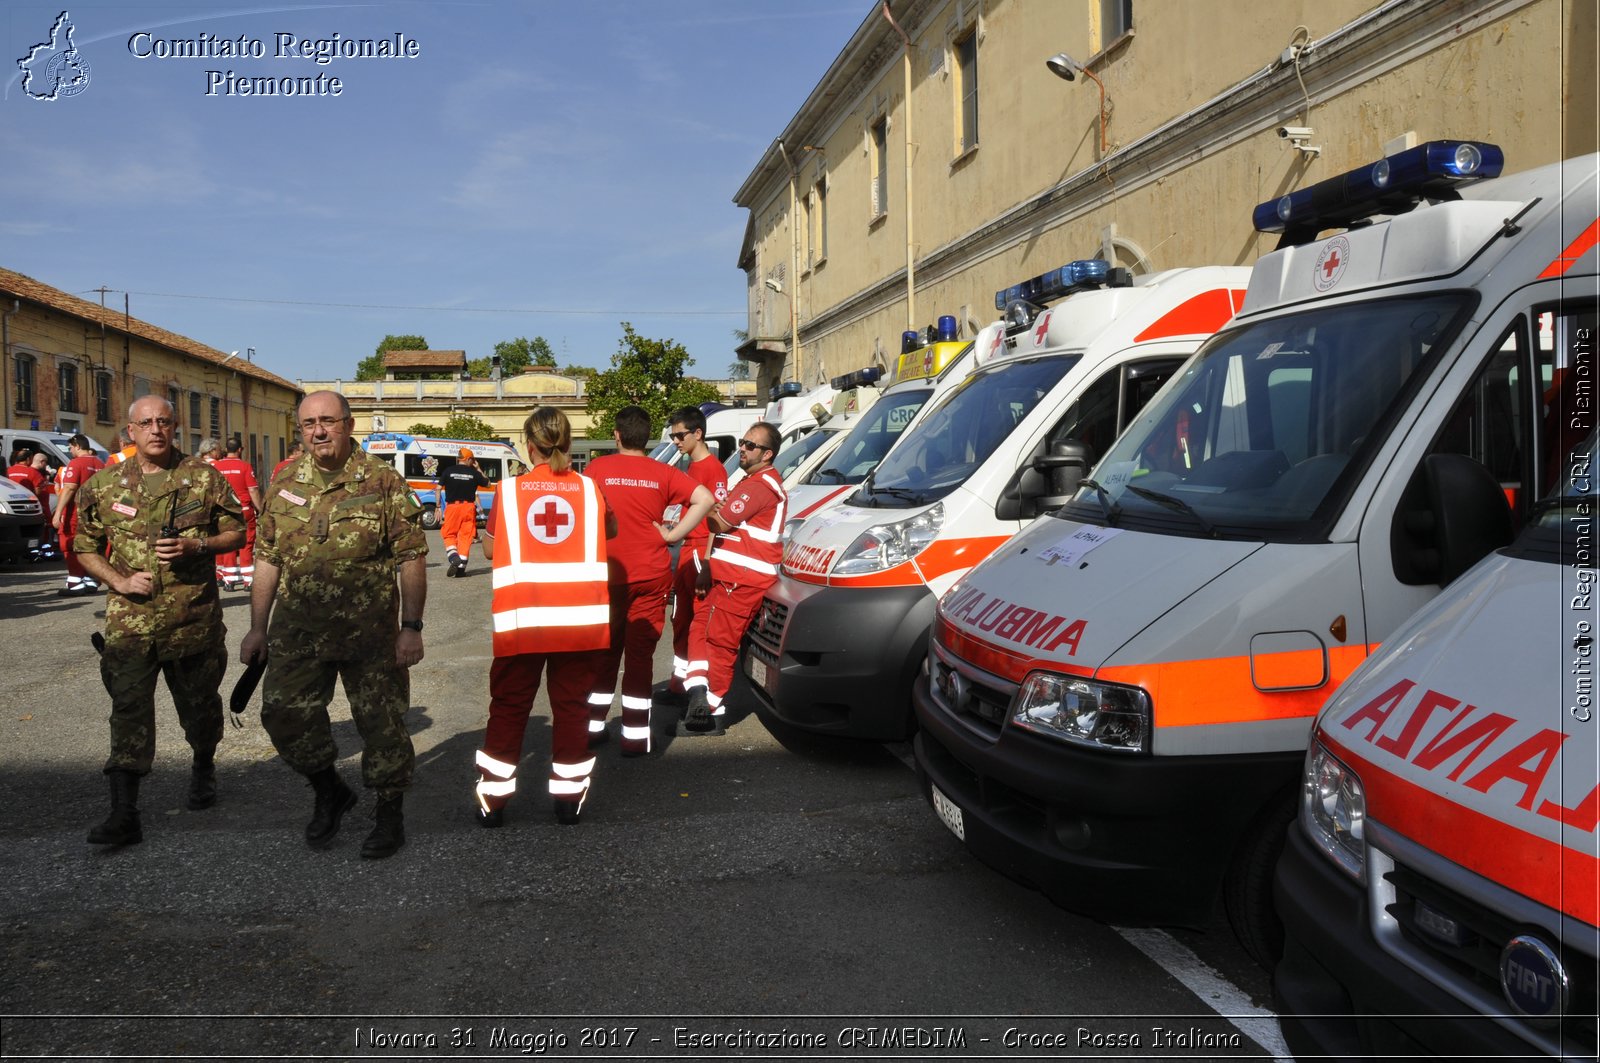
{"x": 24, "y": 382}
{"x": 967, "y": 92}
{"x": 194, "y": 416}
{"x": 817, "y": 225}
{"x": 102, "y": 397}
{"x": 1116, "y": 18}
{"x": 216, "y": 417}
{"x": 880, "y": 167}
{"x": 67, "y": 388}
{"x": 175, "y": 398}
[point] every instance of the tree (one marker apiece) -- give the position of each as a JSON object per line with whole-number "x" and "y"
{"x": 466, "y": 426}
{"x": 515, "y": 356}
{"x": 371, "y": 368}
{"x": 424, "y": 430}
{"x": 644, "y": 372}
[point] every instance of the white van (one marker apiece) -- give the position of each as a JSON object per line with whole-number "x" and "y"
{"x": 420, "y": 459}
{"x": 1120, "y": 697}
{"x": 840, "y": 636}
{"x": 1439, "y": 887}
{"x": 52, "y": 444}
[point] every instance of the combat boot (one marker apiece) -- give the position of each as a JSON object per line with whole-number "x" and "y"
{"x": 334, "y": 799}
{"x": 122, "y": 826}
{"x": 389, "y": 833}
{"x": 203, "y": 780}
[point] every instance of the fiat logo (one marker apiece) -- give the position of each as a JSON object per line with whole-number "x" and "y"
{"x": 1532, "y": 978}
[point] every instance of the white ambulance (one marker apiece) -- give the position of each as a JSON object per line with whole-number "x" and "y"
{"x": 809, "y": 433}
{"x": 840, "y": 637}
{"x": 1119, "y": 700}
{"x": 1439, "y": 891}
{"x": 420, "y": 459}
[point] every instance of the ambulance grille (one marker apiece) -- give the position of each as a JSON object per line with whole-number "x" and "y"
{"x": 1476, "y": 960}
{"x": 29, "y": 508}
{"x": 771, "y": 619}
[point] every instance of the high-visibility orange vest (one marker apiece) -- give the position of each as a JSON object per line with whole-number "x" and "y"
{"x": 550, "y": 593}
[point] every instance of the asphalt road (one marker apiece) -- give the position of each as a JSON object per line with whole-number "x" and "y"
{"x": 723, "y": 896}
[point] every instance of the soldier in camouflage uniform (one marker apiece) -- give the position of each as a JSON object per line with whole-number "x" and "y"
{"x": 336, "y": 528}
{"x": 160, "y": 517}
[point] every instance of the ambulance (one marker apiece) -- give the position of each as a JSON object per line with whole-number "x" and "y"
{"x": 811, "y": 434}
{"x": 1439, "y": 888}
{"x": 839, "y": 638}
{"x": 1118, "y": 701}
{"x": 420, "y": 459}
{"x": 931, "y": 362}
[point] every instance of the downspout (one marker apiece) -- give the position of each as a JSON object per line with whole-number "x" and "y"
{"x": 5, "y": 356}
{"x": 911, "y": 266}
{"x": 794, "y": 263}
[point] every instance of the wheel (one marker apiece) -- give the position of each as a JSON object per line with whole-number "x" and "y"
{"x": 1247, "y": 888}
{"x": 430, "y": 517}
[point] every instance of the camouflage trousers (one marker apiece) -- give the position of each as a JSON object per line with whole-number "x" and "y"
{"x": 294, "y": 710}
{"x": 129, "y": 669}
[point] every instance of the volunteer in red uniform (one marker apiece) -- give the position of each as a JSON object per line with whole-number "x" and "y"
{"x": 23, "y": 472}
{"x": 687, "y": 429}
{"x": 638, "y": 489}
{"x": 73, "y": 476}
{"x": 550, "y": 613}
{"x": 237, "y": 569}
{"x": 460, "y": 483}
{"x": 746, "y": 548}
{"x": 296, "y": 449}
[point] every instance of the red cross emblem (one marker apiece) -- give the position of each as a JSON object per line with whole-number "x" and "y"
{"x": 550, "y": 519}
{"x": 1043, "y": 329}
{"x": 1331, "y": 263}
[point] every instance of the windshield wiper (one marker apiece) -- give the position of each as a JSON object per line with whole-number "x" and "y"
{"x": 1177, "y": 504}
{"x": 912, "y": 497}
{"x": 1110, "y": 508}
{"x": 837, "y": 474}
{"x": 1545, "y": 505}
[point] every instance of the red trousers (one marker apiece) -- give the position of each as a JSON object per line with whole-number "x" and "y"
{"x": 720, "y": 620}
{"x": 638, "y": 612}
{"x": 513, "y": 684}
{"x": 683, "y": 607}
{"x": 460, "y": 528}
{"x": 240, "y": 564}
{"x": 69, "y": 528}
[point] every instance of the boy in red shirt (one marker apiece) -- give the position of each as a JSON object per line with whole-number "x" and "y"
{"x": 687, "y": 429}
{"x": 640, "y": 569}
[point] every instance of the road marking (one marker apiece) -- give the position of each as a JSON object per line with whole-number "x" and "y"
{"x": 1221, "y": 995}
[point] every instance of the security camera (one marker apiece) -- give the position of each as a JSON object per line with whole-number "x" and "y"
{"x": 1296, "y": 132}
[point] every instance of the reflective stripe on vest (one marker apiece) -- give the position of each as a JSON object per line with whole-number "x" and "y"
{"x": 757, "y": 547}
{"x": 550, "y": 591}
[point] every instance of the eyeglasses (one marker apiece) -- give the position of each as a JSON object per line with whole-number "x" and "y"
{"x": 310, "y": 424}
{"x": 745, "y": 444}
{"x": 676, "y": 436}
{"x": 154, "y": 422}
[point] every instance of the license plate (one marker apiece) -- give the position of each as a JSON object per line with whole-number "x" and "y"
{"x": 949, "y": 812}
{"x": 757, "y": 670}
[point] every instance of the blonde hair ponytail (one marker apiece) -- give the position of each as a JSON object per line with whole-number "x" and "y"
{"x": 549, "y": 436}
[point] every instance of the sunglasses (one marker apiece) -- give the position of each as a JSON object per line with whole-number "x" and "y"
{"x": 676, "y": 436}
{"x": 745, "y": 444}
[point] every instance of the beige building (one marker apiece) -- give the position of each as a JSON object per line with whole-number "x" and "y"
{"x": 939, "y": 159}
{"x": 72, "y": 365}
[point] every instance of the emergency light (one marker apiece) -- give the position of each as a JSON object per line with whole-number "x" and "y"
{"x": 859, "y": 379}
{"x": 1392, "y": 185}
{"x": 947, "y": 328}
{"x": 784, "y": 390}
{"x": 1074, "y": 276}
{"x": 910, "y": 340}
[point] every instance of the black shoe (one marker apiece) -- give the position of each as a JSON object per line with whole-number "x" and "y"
{"x": 449, "y": 571}
{"x": 461, "y": 569}
{"x": 122, "y": 826}
{"x": 567, "y": 813}
{"x": 389, "y": 833}
{"x": 334, "y": 799}
{"x": 492, "y": 819}
{"x": 202, "y": 784}
{"x": 599, "y": 738}
{"x": 665, "y": 695}
{"x": 698, "y": 719}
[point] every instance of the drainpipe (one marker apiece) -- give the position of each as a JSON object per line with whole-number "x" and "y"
{"x": 911, "y": 268}
{"x": 5, "y": 356}
{"x": 794, "y": 264}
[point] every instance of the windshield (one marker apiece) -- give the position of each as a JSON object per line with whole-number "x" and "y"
{"x": 947, "y": 446}
{"x": 1572, "y": 505}
{"x": 871, "y": 438}
{"x": 1263, "y": 424}
{"x": 792, "y": 455}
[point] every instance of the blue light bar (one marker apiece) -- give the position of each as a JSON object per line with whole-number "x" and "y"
{"x": 910, "y": 340}
{"x": 1391, "y": 185}
{"x": 789, "y": 387}
{"x": 947, "y": 328}
{"x": 1053, "y": 284}
{"x": 859, "y": 379}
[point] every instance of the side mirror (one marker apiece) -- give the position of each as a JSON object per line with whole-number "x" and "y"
{"x": 1453, "y": 514}
{"x": 1044, "y": 483}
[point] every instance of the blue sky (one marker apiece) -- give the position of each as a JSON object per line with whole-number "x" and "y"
{"x": 541, "y": 168}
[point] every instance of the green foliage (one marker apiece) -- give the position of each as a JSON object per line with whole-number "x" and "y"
{"x": 424, "y": 430}
{"x": 466, "y": 426}
{"x": 585, "y": 371}
{"x": 515, "y": 356}
{"x": 644, "y": 372}
{"x": 371, "y": 368}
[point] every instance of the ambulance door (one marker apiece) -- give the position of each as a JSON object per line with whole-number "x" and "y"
{"x": 1503, "y": 406}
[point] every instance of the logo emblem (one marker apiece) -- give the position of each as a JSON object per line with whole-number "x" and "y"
{"x": 551, "y": 519}
{"x": 54, "y": 69}
{"x": 1532, "y": 978}
{"x": 1330, "y": 263}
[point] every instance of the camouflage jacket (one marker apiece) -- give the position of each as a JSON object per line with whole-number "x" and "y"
{"x": 121, "y": 516}
{"x": 337, "y": 550}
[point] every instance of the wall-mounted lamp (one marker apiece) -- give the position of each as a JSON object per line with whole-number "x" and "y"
{"x": 774, "y": 285}
{"x": 1067, "y": 68}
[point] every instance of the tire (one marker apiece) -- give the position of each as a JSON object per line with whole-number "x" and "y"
{"x": 430, "y": 517}
{"x": 1247, "y": 887}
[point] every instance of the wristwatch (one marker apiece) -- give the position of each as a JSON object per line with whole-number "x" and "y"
{"x": 414, "y": 625}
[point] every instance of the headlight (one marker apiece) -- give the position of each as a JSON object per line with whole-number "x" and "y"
{"x": 791, "y": 526}
{"x": 1333, "y": 810}
{"x": 1101, "y": 715}
{"x": 5, "y": 508}
{"x": 887, "y": 545}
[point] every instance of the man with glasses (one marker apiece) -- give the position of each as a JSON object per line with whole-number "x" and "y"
{"x": 148, "y": 529}
{"x": 337, "y": 529}
{"x": 687, "y": 430}
{"x": 746, "y": 548}
{"x": 69, "y": 480}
